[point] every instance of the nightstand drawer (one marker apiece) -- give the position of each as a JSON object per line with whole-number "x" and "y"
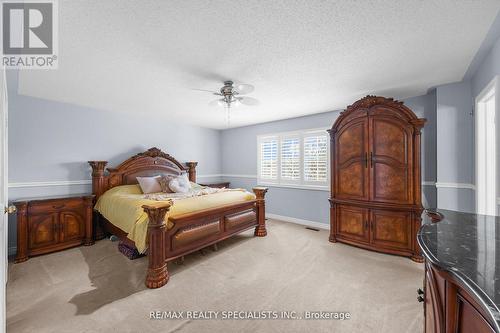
{"x": 49, "y": 206}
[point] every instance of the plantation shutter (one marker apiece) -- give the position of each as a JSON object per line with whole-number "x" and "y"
{"x": 316, "y": 158}
{"x": 290, "y": 158}
{"x": 269, "y": 159}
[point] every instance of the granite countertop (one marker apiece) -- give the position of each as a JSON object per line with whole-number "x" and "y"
{"x": 468, "y": 247}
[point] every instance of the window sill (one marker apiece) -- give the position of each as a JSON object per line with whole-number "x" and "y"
{"x": 298, "y": 187}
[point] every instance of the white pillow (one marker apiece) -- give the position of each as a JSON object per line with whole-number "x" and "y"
{"x": 180, "y": 184}
{"x": 149, "y": 184}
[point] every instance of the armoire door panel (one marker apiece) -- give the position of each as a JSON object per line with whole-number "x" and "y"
{"x": 390, "y": 183}
{"x": 390, "y": 157}
{"x": 351, "y": 161}
{"x": 42, "y": 230}
{"x": 391, "y": 228}
{"x": 353, "y": 222}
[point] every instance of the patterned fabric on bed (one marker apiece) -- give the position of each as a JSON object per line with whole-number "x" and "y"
{"x": 122, "y": 206}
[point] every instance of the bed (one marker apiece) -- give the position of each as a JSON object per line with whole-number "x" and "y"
{"x": 172, "y": 231}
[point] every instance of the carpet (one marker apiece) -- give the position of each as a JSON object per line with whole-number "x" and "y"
{"x": 291, "y": 273}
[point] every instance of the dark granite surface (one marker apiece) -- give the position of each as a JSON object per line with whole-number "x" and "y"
{"x": 467, "y": 246}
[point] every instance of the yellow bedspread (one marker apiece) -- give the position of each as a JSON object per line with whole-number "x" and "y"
{"x": 121, "y": 206}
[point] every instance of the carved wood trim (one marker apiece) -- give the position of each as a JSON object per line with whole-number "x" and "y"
{"x": 157, "y": 274}
{"x": 371, "y": 101}
{"x": 152, "y": 160}
{"x": 260, "y": 193}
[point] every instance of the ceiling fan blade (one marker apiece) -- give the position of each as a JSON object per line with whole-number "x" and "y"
{"x": 210, "y": 91}
{"x": 244, "y": 88}
{"x": 248, "y": 100}
{"x": 217, "y": 102}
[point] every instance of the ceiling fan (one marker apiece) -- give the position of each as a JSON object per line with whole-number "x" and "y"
{"x": 231, "y": 95}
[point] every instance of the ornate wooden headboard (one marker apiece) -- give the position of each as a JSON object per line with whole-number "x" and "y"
{"x": 152, "y": 162}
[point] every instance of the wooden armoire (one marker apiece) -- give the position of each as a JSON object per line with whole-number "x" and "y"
{"x": 375, "y": 200}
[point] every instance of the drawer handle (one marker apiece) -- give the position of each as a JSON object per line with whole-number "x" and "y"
{"x": 420, "y": 291}
{"x": 420, "y": 299}
{"x": 58, "y": 207}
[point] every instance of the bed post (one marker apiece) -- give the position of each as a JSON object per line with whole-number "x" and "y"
{"x": 157, "y": 274}
{"x": 260, "y": 229}
{"x": 192, "y": 171}
{"x": 98, "y": 179}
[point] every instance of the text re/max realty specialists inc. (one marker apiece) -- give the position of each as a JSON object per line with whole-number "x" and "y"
{"x": 249, "y": 315}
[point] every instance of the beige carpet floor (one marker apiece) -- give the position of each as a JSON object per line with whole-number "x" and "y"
{"x": 96, "y": 289}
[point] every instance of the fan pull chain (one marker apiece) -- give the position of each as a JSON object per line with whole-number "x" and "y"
{"x": 228, "y": 116}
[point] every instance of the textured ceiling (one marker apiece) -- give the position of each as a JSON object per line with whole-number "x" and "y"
{"x": 303, "y": 57}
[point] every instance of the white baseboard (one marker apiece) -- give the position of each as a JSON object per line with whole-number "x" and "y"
{"x": 307, "y": 223}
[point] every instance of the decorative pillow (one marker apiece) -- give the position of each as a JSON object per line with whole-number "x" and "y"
{"x": 149, "y": 184}
{"x": 164, "y": 180}
{"x": 180, "y": 184}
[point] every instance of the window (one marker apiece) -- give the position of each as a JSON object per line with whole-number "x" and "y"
{"x": 316, "y": 158}
{"x": 298, "y": 159}
{"x": 290, "y": 159}
{"x": 486, "y": 156}
{"x": 269, "y": 159}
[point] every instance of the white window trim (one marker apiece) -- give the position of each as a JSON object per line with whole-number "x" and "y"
{"x": 301, "y": 184}
{"x": 494, "y": 86}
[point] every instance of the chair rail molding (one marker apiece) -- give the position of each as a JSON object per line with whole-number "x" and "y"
{"x": 467, "y": 186}
{"x": 50, "y": 183}
{"x": 227, "y": 175}
{"x": 238, "y": 176}
{"x": 75, "y": 182}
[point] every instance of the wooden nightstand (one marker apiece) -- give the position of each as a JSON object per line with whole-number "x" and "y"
{"x": 46, "y": 225}
{"x": 217, "y": 185}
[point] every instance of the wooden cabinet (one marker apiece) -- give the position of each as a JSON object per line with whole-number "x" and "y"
{"x": 391, "y": 229}
{"x": 353, "y": 223}
{"x": 450, "y": 307}
{"x": 376, "y": 186}
{"x": 47, "y": 225}
{"x": 374, "y": 228}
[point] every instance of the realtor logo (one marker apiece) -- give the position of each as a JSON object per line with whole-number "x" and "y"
{"x": 29, "y": 34}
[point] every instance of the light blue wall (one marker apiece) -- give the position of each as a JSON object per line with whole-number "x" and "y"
{"x": 51, "y": 141}
{"x": 487, "y": 70}
{"x": 455, "y": 147}
{"x": 425, "y": 107}
{"x": 455, "y": 126}
{"x": 239, "y": 157}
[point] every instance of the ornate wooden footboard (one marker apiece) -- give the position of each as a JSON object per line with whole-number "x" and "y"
{"x": 189, "y": 232}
